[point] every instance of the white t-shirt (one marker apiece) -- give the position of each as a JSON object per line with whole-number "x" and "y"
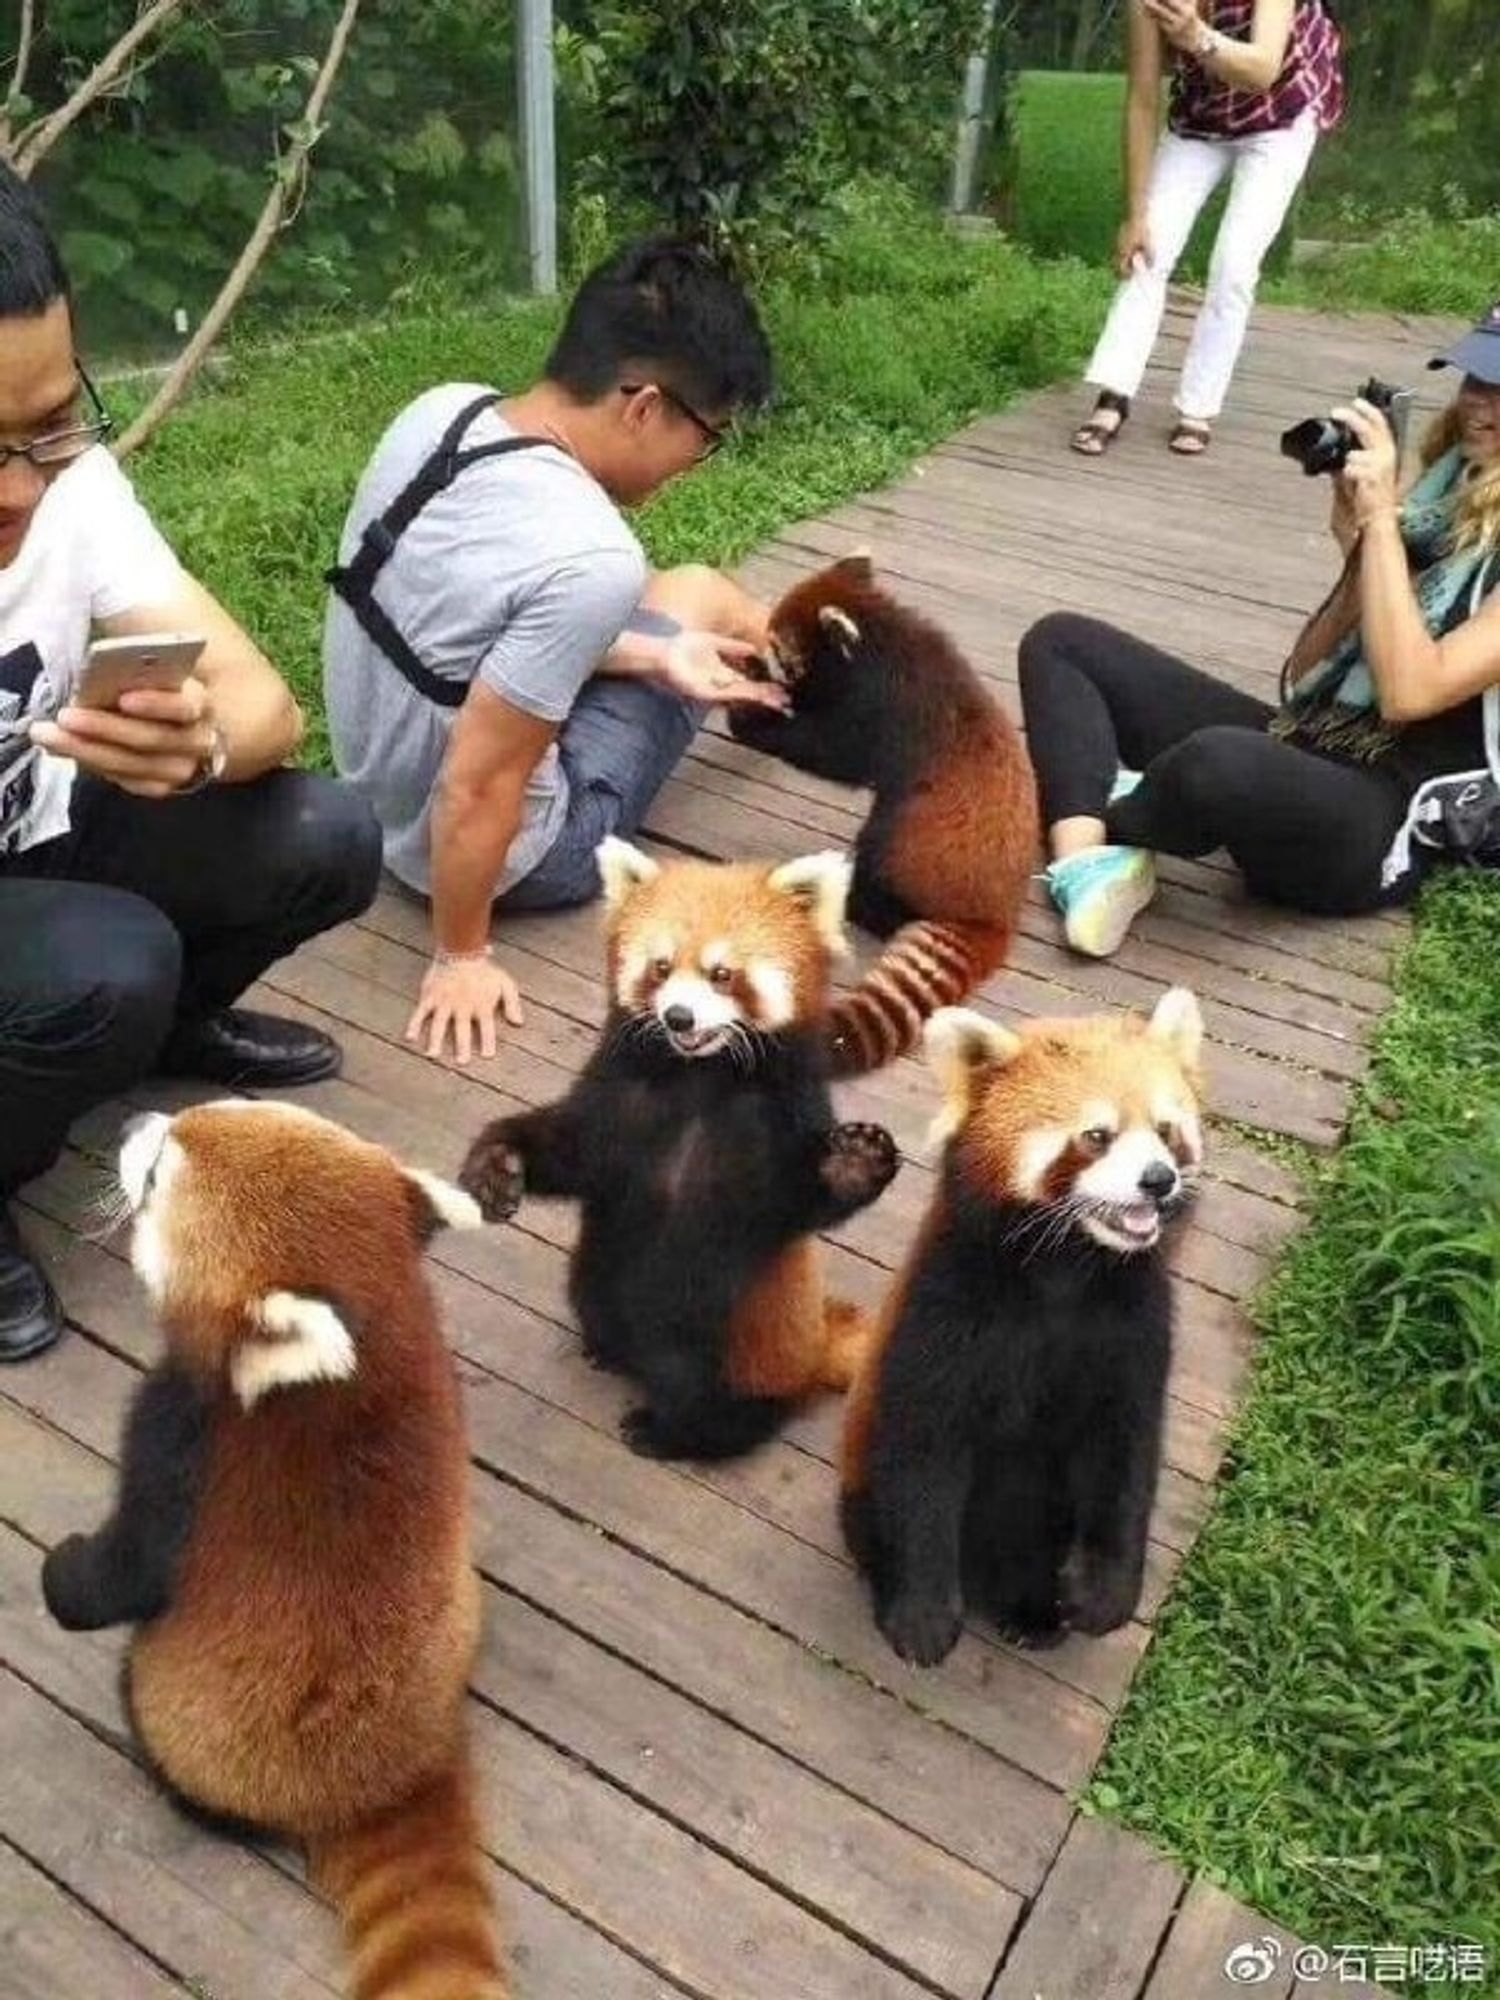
{"x": 91, "y": 552}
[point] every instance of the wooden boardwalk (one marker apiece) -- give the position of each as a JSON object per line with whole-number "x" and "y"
{"x": 705, "y": 1774}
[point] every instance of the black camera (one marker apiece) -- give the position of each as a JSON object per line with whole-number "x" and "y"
{"x": 1321, "y": 444}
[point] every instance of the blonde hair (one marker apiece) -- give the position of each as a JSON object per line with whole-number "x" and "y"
{"x": 1477, "y": 523}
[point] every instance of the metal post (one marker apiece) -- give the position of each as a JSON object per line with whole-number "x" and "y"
{"x": 538, "y": 140}
{"x": 971, "y": 116}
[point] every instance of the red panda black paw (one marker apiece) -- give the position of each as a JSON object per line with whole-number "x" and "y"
{"x": 69, "y": 1585}
{"x": 923, "y": 1630}
{"x": 494, "y": 1174}
{"x": 859, "y": 1162}
{"x": 1101, "y": 1596}
{"x": 1037, "y": 1634}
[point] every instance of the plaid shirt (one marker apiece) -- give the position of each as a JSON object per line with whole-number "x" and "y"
{"x": 1201, "y": 107}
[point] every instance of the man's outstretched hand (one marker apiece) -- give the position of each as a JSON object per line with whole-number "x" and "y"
{"x": 464, "y": 995}
{"x": 704, "y": 666}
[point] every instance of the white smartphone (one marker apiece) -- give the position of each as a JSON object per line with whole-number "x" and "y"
{"x": 141, "y": 660}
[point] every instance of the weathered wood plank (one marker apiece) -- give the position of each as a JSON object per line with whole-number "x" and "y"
{"x": 1207, "y": 1928}
{"x": 54, "y": 1948}
{"x": 1095, "y": 1928}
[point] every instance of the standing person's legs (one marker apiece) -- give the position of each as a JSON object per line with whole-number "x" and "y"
{"x": 1183, "y": 176}
{"x": 88, "y": 991}
{"x": 1268, "y": 168}
{"x": 626, "y": 736}
{"x": 244, "y": 873}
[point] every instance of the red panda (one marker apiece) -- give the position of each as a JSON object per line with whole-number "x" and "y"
{"x": 291, "y": 1535}
{"x": 1001, "y": 1442}
{"x": 700, "y": 1141}
{"x": 881, "y": 697}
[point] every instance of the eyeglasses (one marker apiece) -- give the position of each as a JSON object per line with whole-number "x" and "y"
{"x": 60, "y": 447}
{"x": 714, "y": 438}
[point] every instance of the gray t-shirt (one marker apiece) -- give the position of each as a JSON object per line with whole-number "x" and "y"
{"x": 521, "y": 573}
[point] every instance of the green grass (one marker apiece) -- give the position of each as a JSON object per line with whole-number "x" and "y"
{"x": 900, "y": 334}
{"x": 1412, "y": 262}
{"x": 1315, "y": 1725}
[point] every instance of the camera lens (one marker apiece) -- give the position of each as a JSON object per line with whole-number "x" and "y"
{"x": 1318, "y": 445}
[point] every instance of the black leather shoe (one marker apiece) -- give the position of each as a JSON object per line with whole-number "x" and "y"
{"x": 30, "y": 1317}
{"x": 235, "y": 1046}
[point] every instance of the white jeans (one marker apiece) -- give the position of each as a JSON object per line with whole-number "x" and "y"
{"x": 1267, "y": 168}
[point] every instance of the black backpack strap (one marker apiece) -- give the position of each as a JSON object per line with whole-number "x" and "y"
{"x": 354, "y": 581}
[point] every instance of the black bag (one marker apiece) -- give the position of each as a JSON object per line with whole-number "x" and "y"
{"x": 1458, "y": 814}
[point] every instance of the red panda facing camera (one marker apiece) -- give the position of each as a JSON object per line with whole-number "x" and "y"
{"x": 881, "y": 697}
{"x": 1002, "y": 1440}
{"x": 291, "y": 1533}
{"x": 701, "y": 1144}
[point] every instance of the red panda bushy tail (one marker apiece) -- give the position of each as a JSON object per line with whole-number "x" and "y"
{"x": 409, "y": 1885}
{"x": 926, "y": 965}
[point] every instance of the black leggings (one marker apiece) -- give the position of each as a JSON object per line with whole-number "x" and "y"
{"x": 1305, "y": 830}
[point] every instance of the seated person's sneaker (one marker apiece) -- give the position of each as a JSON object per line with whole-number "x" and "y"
{"x": 30, "y": 1316}
{"x": 236, "y": 1046}
{"x": 1099, "y": 893}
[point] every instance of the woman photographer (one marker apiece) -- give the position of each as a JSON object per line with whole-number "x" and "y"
{"x": 1383, "y": 692}
{"x": 1253, "y": 84}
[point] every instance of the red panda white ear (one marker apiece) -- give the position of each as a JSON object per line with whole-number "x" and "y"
{"x": 622, "y": 868}
{"x": 836, "y": 621}
{"x": 441, "y": 1205}
{"x": 820, "y": 882}
{"x": 961, "y": 1046}
{"x": 858, "y": 563}
{"x": 294, "y": 1339}
{"x": 1178, "y": 1021}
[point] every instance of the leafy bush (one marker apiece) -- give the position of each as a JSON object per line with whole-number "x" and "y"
{"x": 157, "y": 188}
{"x": 740, "y": 119}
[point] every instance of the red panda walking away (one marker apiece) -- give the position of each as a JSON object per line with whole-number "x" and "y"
{"x": 291, "y": 1534}
{"x": 881, "y": 697}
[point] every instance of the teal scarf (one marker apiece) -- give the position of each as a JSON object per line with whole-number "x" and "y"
{"x": 1333, "y": 706}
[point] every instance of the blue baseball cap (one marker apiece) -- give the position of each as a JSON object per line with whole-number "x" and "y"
{"x": 1478, "y": 353}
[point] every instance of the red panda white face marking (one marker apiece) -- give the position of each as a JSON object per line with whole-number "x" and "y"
{"x": 1091, "y": 1121}
{"x": 265, "y": 1233}
{"x": 711, "y": 957}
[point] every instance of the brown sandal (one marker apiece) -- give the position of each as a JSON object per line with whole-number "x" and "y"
{"x": 1191, "y": 437}
{"x": 1093, "y": 439}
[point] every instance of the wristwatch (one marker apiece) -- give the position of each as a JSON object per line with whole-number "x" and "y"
{"x": 211, "y": 766}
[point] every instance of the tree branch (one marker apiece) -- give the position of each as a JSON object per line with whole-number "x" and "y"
{"x": 38, "y": 139}
{"x": 17, "y": 82}
{"x": 290, "y": 174}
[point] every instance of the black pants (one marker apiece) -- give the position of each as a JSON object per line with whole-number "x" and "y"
{"x": 148, "y": 913}
{"x": 1306, "y": 830}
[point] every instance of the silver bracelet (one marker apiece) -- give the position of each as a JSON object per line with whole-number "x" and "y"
{"x": 481, "y": 957}
{"x": 1207, "y": 43}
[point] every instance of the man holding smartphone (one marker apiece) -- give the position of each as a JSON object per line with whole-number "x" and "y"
{"x": 154, "y": 858}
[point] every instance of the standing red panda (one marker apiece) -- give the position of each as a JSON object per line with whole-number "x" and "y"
{"x": 881, "y": 697}
{"x": 700, "y": 1141}
{"x": 291, "y": 1535}
{"x": 1002, "y": 1440}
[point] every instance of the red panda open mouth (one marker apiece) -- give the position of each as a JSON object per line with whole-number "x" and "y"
{"x": 1130, "y": 1225}
{"x": 697, "y": 1041}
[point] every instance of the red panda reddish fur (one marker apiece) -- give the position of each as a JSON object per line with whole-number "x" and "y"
{"x": 300, "y": 1564}
{"x": 882, "y": 697}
